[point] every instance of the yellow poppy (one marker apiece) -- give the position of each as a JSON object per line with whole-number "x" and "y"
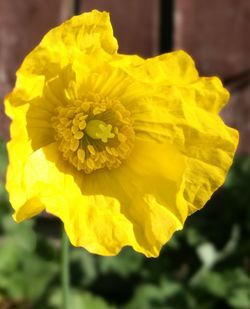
{"x": 120, "y": 148}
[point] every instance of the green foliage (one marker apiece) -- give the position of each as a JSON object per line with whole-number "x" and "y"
{"x": 205, "y": 266}
{"x": 79, "y": 300}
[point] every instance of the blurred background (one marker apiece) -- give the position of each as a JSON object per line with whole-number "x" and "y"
{"x": 205, "y": 266}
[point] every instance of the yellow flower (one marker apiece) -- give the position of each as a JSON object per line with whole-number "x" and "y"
{"x": 121, "y": 149}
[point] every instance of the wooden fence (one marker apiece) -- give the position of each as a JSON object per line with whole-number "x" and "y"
{"x": 216, "y": 33}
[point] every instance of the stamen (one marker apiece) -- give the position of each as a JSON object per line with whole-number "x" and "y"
{"x": 81, "y": 155}
{"x": 88, "y": 143}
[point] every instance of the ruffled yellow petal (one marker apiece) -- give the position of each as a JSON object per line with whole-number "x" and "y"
{"x": 102, "y": 212}
{"x": 142, "y": 192}
{"x": 23, "y": 193}
{"x": 18, "y": 148}
{"x": 104, "y": 81}
{"x": 56, "y": 92}
{"x": 171, "y": 68}
{"x": 146, "y": 189}
{"x": 151, "y": 190}
{"x": 83, "y": 35}
{"x": 184, "y": 112}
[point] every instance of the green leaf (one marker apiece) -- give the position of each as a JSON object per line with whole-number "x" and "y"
{"x": 214, "y": 283}
{"x": 21, "y": 235}
{"x": 149, "y": 296}
{"x": 240, "y": 298}
{"x": 86, "y": 262}
{"x": 31, "y": 278}
{"x": 193, "y": 236}
{"x": 124, "y": 264}
{"x": 79, "y": 300}
{"x": 9, "y": 257}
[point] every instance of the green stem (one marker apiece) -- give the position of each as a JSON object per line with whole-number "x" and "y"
{"x": 65, "y": 272}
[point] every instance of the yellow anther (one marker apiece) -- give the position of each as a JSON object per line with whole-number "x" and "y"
{"x": 78, "y": 135}
{"x": 90, "y": 164}
{"x": 74, "y": 129}
{"x": 69, "y": 113}
{"x": 79, "y": 117}
{"x": 108, "y": 149}
{"x": 82, "y": 124}
{"x": 67, "y": 134}
{"x": 81, "y": 154}
{"x": 91, "y": 149}
{"x": 121, "y": 137}
{"x": 98, "y": 129}
{"x": 76, "y": 122}
{"x": 74, "y": 144}
{"x": 85, "y": 106}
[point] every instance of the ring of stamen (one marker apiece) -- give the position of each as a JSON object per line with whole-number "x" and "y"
{"x": 94, "y": 133}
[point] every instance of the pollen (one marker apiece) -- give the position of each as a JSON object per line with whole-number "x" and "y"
{"x": 93, "y": 133}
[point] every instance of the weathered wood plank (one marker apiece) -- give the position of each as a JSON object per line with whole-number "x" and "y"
{"x": 22, "y": 25}
{"x": 135, "y": 23}
{"x": 217, "y": 34}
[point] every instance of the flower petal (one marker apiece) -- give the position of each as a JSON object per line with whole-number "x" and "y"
{"x": 134, "y": 205}
{"x": 183, "y": 109}
{"x": 171, "y": 68}
{"x": 199, "y": 134}
{"x": 136, "y": 202}
{"x": 84, "y": 33}
{"x": 78, "y": 37}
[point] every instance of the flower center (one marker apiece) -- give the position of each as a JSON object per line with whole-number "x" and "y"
{"x": 98, "y": 129}
{"x": 94, "y": 133}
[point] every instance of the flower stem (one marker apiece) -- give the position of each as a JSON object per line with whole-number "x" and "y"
{"x": 65, "y": 271}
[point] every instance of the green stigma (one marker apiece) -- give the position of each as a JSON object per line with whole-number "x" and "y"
{"x": 98, "y": 129}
